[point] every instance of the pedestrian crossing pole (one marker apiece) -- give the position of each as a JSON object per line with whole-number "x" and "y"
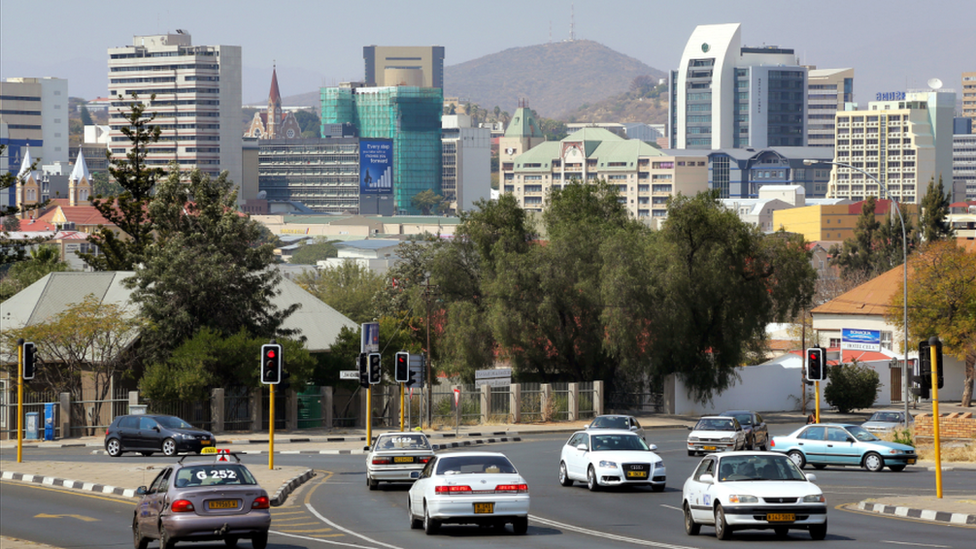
{"x": 934, "y": 348}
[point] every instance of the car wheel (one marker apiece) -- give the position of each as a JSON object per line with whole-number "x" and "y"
{"x": 430, "y": 525}
{"x": 520, "y": 525}
{"x": 691, "y": 527}
{"x": 414, "y": 523}
{"x": 897, "y": 468}
{"x": 819, "y": 466}
{"x": 138, "y": 541}
{"x": 113, "y": 447}
{"x": 873, "y": 462}
{"x": 691, "y": 453}
{"x": 818, "y": 531}
{"x": 763, "y": 446}
{"x": 722, "y": 530}
{"x": 169, "y": 447}
{"x": 751, "y": 444}
{"x": 564, "y": 475}
{"x": 373, "y": 484}
{"x": 259, "y": 541}
{"x": 797, "y": 457}
{"x": 231, "y": 542}
{"x": 591, "y": 481}
{"x": 781, "y": 531}
{"x": 657, "y": 487}
{"x": 165, "y": 541}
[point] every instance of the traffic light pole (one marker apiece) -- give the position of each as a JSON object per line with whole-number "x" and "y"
{"x": 271, "y": 408}
{"x": 816, "y": 385}
{"x": 20, "y": 400}
{"x": 369, "y": 415}
{"x": 402, "y": 399}
{"x": 933, "y": 352}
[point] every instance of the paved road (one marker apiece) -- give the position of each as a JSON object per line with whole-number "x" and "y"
{"x": 335, "y": 508}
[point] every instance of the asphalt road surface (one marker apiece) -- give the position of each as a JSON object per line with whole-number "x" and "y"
{"x": 335, "y": 509}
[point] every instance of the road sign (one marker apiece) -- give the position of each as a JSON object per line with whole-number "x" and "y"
{"x": 370, "y": 340}
{"x": 457, "y": 396}
{"x": 496, "y": 377}
{"x": 349, "y": 374}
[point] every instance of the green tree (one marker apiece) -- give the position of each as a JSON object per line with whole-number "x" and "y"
{"x": 11, "y": 224}
{"x": 312, "y": 253}
{"x": 349, "y": 288}
{"x": 309, "y": 123}
{"x": 426, "y": 201}
{"x": 851, "y": 387}
{"x": 933, "y": 223}
{"x": 128, "y": 211}
{"x": 942, "y": 302}
{"x": 857, "y": 258}
{"x": 89, "y": 340}
{"x": 43, "y": 260}
{"x": 205, "y": 270}
{"x": 86, "y": 118}
{"x": 102, "y": 186}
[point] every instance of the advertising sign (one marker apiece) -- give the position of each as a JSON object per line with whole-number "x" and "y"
{"x": 371, "y": 337}
{"x": 860, "y": 340}
{"x": 375, "y": 166}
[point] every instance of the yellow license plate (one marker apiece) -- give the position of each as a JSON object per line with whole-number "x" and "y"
{"x": 911, "y": 461}
{"x": 222, "y": 504}
{"x": 205, "y": 443}
{"x": 636, "y": 474}
{"x": 403, "y": 459}
{"x": 780, "y": 517}
{"x": 484, "y": 508}
{"x": 708, "y": 447}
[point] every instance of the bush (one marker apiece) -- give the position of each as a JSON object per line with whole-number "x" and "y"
{"x": 852, "y": 387}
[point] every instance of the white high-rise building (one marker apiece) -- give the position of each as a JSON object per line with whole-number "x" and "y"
{"x": 729, "y": 96}
{"x": 197, "y": 104}
{"x": 466, "y": 161}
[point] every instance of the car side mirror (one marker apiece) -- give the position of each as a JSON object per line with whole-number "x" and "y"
{"x": 652, "y": 447}
{"x": 811, "y": 477}
{"x": 691, "y": 428}
{"x": 851, "y": 439}
{"x": 141, "y": 491}
{"x": 156, "y": 428}
{"x": 365, "y": 448}
{"x": 706, "y": 479}
{"x": 587, "y": 426}
{"x": 582, "y": 448}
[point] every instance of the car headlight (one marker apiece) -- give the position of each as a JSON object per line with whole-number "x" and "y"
{"x": 692, "y": 439}
{"x": 894, "y": 451}
{"x": 727, "y": 439}
{"x": 608, "y": 464}
{"x": 734, "y": 498}
{"x": 814, "y": 498}
{"x": 658, "y": 464}
{"x": 180, "y": 435}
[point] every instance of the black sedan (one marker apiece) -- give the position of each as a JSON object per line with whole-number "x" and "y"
{"x": 147, "y": 434}
{"x": 757, "y": 434}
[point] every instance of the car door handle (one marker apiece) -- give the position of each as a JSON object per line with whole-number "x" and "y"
{"x": 800, "y": 444}
{"x": 830, "y": 446}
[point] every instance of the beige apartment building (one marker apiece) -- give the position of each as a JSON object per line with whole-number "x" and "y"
{"x": 197, "y": 104}
{"x": 969, "y": 95}
{"x": 420, "y": 66}
{"x": 644, "y": 176}
{"x": 828, "y": 91}
{"x": 903, "y": 141}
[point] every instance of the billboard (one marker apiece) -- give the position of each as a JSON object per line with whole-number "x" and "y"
{"x": 375, "y": 166}
{"x": 860, "y": 340}
{"x": 370, "y": 338}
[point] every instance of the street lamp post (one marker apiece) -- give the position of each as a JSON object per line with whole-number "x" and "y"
{"x": 904, "y": 246}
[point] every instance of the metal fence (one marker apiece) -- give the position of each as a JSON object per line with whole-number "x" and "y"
{"x": 500, "y": 404}
{"x": 531, "y": 402}
{"x": 34, "y": 401}
{"x": 587, "y": 400}
{"x": 237, "y": 409}
{"x": 558, "y": 406}
{"x": 635, "y": 403}
{"x": 92, "y": 416}
{"x": 196, "y": 413}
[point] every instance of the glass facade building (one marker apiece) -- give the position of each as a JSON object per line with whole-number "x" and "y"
{"x": 408, "y": 115}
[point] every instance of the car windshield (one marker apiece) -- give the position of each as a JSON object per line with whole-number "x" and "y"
{"x": 609, "y": 443}
{"x": 744, "y": 419}
{"x": 221, "y": 474}
{"x": 173, "y": 422}
{"x": 861, "y": 434}
{"x": 608, "y": 422}
{"x": 745, "y": 468}
{"x": 715, "y": 424}
{"x": 466, "y": 465}
{"x": 402, "y": 442}
{"x": 886, "y": 417}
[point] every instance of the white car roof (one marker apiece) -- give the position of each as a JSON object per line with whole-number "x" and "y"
{"x": 602, "y": 432}
{"x": 455, "y": 454}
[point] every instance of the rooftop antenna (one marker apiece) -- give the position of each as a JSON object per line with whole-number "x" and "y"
{"x": 935, "y": 83}
{"x": 550, "y": 31}
{"x": 572, "y": 22}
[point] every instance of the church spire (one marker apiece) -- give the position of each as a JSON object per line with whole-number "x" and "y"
{"x": 80, "y": 171}
{"x": 274, "y": 96}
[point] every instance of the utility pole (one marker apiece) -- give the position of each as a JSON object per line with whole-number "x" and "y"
{"x": 430, "y": 388}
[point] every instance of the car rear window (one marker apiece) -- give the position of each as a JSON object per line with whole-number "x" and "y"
{"x": 461, "y": 465}
{"x": 715, "y": 425}
{"x": 402, "y": 442}
{"x": 211, "y": 475}
{"x": 611, "y": 423}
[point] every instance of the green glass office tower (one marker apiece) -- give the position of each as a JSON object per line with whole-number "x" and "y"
{"x": 410, "y": 116}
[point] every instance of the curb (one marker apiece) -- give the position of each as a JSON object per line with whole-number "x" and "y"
{"x": 287, "y": 488}
{"x": 959, "y": 519}
{"x": 473, "y": 442}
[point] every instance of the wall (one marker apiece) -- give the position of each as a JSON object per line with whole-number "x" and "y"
{"x": 959, "y": 425}
{"x": 771, "y": 387}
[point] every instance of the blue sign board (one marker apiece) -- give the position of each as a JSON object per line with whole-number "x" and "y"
{"x": 890, "y": 96}
{"x": 375, "y": 166}
{"x": 860, "y": 340}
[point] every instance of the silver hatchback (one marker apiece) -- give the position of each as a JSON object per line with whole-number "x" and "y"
{"x": 202, "y": 500}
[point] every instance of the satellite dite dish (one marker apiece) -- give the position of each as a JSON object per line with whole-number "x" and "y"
{"x": 934, "y": 83}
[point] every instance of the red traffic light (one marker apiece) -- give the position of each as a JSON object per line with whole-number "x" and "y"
{"x": 271, "y": 353}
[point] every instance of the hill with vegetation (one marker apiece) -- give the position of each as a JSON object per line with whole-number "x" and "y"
{"x": 644, "y": 102}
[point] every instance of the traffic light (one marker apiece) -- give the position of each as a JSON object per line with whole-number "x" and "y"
{"x": 401, "y": 370}
{"x": 271, "y": 364}
{"x": 925, "y": 360}
{"x": 363, "y": 370}
{"x": 29, "y": 351}
{"x": 284, "y": 385}
{"x": 815, "y": 364}
{"x": 417, "y": 375}
{"x": 375, "y": 369}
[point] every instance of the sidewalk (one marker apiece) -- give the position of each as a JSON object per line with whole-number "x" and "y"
{"x": 122, "y": 476}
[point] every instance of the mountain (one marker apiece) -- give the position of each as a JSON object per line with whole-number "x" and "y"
{"x": 555, "y": 78}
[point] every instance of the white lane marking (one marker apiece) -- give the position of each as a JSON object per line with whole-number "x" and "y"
{"x": 913, "y": 544}
{"x": 673, "y": 507}
{"x": 320, "y": 540}
{"x": 346, "y": 530}
{"x": 604, "y": 535}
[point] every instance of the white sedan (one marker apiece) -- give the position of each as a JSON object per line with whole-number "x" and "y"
{"x": 716, "y": 434}
{"x": 753, "y": 490}
{"x": 610, "y": 458}
{"x": 469, "y": 488}
{"x": 397, "y": 457}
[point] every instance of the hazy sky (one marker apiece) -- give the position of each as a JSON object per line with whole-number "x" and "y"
{"x": 893, "y": 45}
